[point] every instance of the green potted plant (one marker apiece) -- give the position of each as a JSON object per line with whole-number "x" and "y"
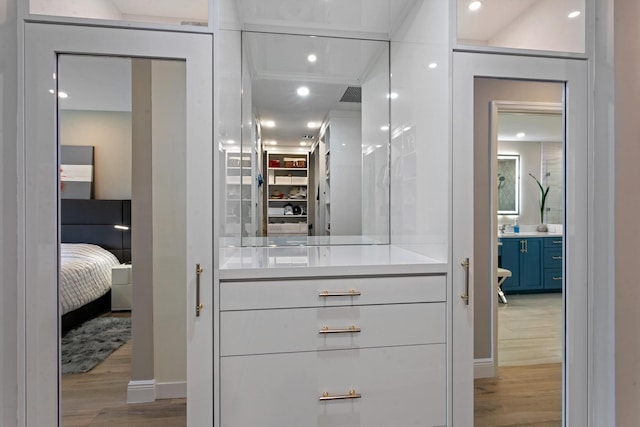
{"x": 543, "y": 199}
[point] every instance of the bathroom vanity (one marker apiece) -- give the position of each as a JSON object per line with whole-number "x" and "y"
{"x": 332, "y": 336}
{"x": 534, "y": 259}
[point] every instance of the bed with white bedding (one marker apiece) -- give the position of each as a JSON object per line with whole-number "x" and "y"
{"x": 85, "y": 274}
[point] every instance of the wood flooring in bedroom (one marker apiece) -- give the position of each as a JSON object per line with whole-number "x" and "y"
{"x": 98, "y": 398}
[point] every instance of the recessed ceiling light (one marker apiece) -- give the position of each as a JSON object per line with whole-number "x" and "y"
{"x": 475, "y": 5}
{"x": 313, "y": 125}
{"x": 574, "y": 14}
{"x": 433, "y": 65}
{"x": 303, "y": 91}
{"x": 385, "y": 128}
{"x": 520, "y": 134}
{"x": 272, "y": 142}
{"x": 268, "y": 123}
{"x": 231, "y": 141}
{"x": 52, "y": 91}
{"x": 312, "y": 58}
{"x": 378, "y": 146}
{"x": 63, "y": 95}
{"x": 303, "y": 142}
{"x": 392, "y": 95}
{"x": 407, "y": 128}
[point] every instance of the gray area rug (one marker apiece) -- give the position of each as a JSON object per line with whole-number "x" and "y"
{"x": 84, "y": 347}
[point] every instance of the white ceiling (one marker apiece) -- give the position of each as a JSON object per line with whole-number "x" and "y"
{"x": 536, "y": 127}
{"x": 278, "y": 66}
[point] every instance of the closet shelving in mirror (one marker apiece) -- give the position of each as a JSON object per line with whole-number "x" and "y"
{"x": 238, "y": 180}
{"x": 287, "y": 193}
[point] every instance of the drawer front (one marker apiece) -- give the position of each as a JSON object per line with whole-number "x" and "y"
{"x": 552, "y": 258}
{"x": 306, "y": 293}
{"x": 399, "y": 386}
{"x": 328, "y": 328}
{"x": 553, "y": 242}
{"x": 553, "y": 278}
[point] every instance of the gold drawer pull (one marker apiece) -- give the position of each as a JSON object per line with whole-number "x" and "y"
{"x": 556, "y": 257}
{"x": 557, "y": 242}
{"x": 351, "y": 329}
{"x": 352, "y": 395}
{"x": 349, "y": 293}
{"x": 557, "y": 278}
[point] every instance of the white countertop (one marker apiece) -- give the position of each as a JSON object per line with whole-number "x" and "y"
{"x": 507, "y": 235}
{"x": 323, "y": 261}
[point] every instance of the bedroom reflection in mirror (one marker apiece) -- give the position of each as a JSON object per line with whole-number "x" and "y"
{"x": 122, "y": 127}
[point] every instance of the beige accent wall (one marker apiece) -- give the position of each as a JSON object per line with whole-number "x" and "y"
{"x": 169, "y": 222}
{"x": 142, "y": 363}
{"x": 627, "y": 203}
{"x": 485, "y": 91}
{"x": 110, "y": 133}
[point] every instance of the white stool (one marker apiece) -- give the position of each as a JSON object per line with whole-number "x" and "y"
{"x": 503, "y": 273}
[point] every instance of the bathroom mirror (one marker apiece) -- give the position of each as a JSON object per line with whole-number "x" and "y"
{"x": 313, "y": 164}
{"x": 508, "y": 184}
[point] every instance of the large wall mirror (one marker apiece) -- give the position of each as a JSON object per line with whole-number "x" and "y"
{"x": 312, "y": 167}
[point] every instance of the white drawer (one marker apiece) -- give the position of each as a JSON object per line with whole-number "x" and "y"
{"x": 289, "y": 330}
{"x": 306, "y": 293}
{"x": 399, "y": 386}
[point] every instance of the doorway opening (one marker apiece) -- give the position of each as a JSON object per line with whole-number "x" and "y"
{"x": 122, "y": 293}
{"x": 519, "y": 140}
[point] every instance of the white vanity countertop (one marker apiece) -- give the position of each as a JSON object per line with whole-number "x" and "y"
{"x": 323, "y": 261}
{"x": 509, "y": 235}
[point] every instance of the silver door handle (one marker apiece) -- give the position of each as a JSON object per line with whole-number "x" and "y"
{"x": 465, "y": 296}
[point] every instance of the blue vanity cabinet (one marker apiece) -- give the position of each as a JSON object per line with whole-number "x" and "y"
{"x": 552, "y": 259}
{"x": 535, "y": 264}
{"x": 510, "y": 259}
{"x": 523, "y": 257}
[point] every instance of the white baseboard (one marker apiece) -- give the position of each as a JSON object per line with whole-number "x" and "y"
{"x": 141, "y": 391}
{"x": 483, "y": 368}
{"x": 171, "y": 390}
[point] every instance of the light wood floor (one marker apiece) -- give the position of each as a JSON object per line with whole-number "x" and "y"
{"x": 98, "y": 398}
{"x": 530, "y": 330}
{"x": 528, "y": 388}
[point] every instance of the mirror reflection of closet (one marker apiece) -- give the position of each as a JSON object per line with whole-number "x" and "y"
{"x": 313, "y": 170}
{"x": 122, "y": 127}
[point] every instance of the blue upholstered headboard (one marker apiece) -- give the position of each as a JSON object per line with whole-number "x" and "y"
{"x": 93, "y": 221}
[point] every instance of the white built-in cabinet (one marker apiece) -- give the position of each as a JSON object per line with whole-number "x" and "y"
{"x": 340, "y": 175}
{"x": 352, "y": 351}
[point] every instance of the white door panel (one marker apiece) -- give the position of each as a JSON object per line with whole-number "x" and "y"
{"x": 574, "y": 73}
{"x": 42, "y": 43}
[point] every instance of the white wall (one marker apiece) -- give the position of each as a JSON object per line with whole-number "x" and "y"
{"x": 168, "y": 85}
{"x": 228, "y": 110}
{"x": 375, "y": 151}
{"x": 8, "y": 214}
{"x": 420, "y": 117}
{"x": 603, "y": 254}
{"x": 346, "y": 173}
{"x": 110, "y": 133}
